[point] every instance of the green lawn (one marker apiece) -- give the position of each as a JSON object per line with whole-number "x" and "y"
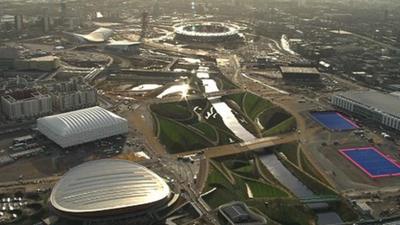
{"x": 284, "y": 211}
{"x": 173, "y": 111}
{"x": 227, "y": 191}
{"x": 283, "y": 127}
{"x": 177, "y": 138}
{"x": 206, "y": 130}
{"x": 235, "y": 97}
{"x": 273, "y": 202}
{"x": 253, "y": 105}
{"x": 274, "y": 120}
{"x": 290, "y": 151}
{"x": 272, "y": 117}
{"x": 180, "y": 129}
{"x": 258, "y": 188}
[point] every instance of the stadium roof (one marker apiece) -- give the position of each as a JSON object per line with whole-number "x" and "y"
{"x": 81, "y": 126}
{"x": 108, "y": 184}
{"x": 377, "y": 100}
{"x": 99, "y": 35}
{"x": 230, "y": 29}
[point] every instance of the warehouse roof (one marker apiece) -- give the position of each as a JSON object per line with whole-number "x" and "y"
{"x": 108, "y": 184}
{"x": 80, "y": 120}
{"x": 123, "y": 43}
{"x": 377, "y": 100}
{"x": 81, "y": 126}
{"x": 295, "y": 69}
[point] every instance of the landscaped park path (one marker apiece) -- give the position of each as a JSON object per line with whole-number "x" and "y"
{"x": 143, "y": 121}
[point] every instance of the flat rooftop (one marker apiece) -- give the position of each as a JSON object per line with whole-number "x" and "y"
{"x": 375, "y": 100}
{"x": 123, "y": 43}
{"x": 48, "y": 58}
{"x": 295, "y": 69}
{"x": 21, "y": 95}
{"x": 9, "y": 53}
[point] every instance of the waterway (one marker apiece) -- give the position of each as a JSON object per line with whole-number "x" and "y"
{"x": 222, "y": 108}
{"x": 231, "y": 121}
{"x": 286, "y": 45}
{"x": 286, "y": 178}
{"x": 181, "y": 89}
{"x": 146, "y": 87}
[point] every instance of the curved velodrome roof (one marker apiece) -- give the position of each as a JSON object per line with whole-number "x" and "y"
{"x": 81, "y": 126}
{"x": 108, "y": 184}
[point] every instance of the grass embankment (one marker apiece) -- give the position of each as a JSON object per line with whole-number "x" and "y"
{"x": 231, "y": 176}
{"x": 268, "y": 119}
{"x": 285, "y": 211}
{"x": 178, "y": 138}
{"x": 190, "y": 125}
{"x": 290, "y": 151}
{"x": 313, "y": 178}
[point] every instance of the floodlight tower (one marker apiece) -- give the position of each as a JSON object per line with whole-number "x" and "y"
{"x": 145, "y": 24}
{"x": 63, "y": 11}
{"x": 194, "y": 8}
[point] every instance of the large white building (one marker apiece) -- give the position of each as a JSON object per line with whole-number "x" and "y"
{"x": 109, "y": 190}
{"x": 373, "y": 105}
{"x": 97, "y": 36}
{"x": 126, "y": 47}
{"x": 82, "y": 126}
{"x": 26, "y": 104}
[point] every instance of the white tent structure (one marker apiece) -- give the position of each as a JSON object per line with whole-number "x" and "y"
{"x": 82, "y": 126}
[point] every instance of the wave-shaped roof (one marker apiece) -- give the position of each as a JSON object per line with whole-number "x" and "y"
{"x": 100, "y": 35}
{"x": 108, "y": 184}
{"x": 81, "y": 126}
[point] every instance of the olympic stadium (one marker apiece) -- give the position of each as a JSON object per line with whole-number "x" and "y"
{"x": 109, "y": 190}
{"x": 208, "y": 32}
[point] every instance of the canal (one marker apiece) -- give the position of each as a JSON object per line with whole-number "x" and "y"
{"x": 222, "y": 108}
{"x": 299, "y": 189}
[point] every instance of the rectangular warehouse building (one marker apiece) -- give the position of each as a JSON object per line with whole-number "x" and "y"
{"x": 82, "y": 126}
{"x": 294, "y": 73}
{"x": 376, "y": 106}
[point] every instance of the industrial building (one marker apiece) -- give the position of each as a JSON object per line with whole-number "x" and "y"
{"x": 44, "y": 63}
{"x": 82, "y": 126}
{"x": 377, "y": 106}
{"x": 125, "y": 47}
{"x": 11, "y": 59}
{"x": 7, "y": 57}
{"x": 293, "y": 73}
{"x": 238, "y": 213}
{"x": 110, "y": 190}
{"x": 25, "y": 104}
